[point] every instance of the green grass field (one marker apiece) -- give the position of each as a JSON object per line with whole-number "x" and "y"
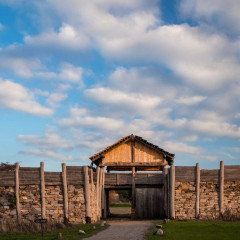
{"x": 198, "y": 230}
{"x": 68, "y": 233}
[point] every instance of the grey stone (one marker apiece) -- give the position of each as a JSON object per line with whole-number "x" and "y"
{"x": 158, "y": 226}
{"x": 81, "y": 231}
{"x": 159, "y": 232}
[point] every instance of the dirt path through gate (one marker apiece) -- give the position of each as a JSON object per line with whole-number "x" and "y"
{"x": 124, "y": 230}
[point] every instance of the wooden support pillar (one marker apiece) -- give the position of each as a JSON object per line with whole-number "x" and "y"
{"x": 221, "y": 190}
{"x": 118, "y": 176}
{"x": 65, "y": 191}
{"x": 87, "y": 193}
{"x": 97, "y": 190}
{"x": 18, "y": 211}
{"x": 165, "y": 174}
{"x": 197, "y": 190}
{"x": 172, "y": 192}
{"x": 103, "y": 193}
{"x": 43, "y": 205}
{"x": 133, "y": 212}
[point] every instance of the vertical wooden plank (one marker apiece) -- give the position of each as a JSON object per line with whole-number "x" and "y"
{"x": 103, "y": 191}
{"x": 87, "y": 192}
{"x": 117, "y": 176}
{"x": 197, "y": 190}
{"x": 18, "y": 211}
{"x": 43, "y": 205}
{"x": 65, "y": 191}
{"x": 133, "y": 213}
{"x": 172, "y": 192}
{"x": 97, "y": 190}
{"x": 100, "y": 192}
{"x": 165, "y": 173}
{"x": 221, "y": 190}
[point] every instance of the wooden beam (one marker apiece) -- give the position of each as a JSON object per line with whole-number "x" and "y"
{"x": 165, "y": 173}
{"x": 221, "y": 190}
{"x": 18, "y": 211}
{"x": 197, "y": 190}
{"x": 172, "y": 192}
{"x": 133, "y": 150}
{"x": 100, "y": 192}
{"x": 133, "y": 164}
{"x": 103, "y": 193}
{"x": 65, "y": 191}
{"x": 87, "y": 192}
{"x": 43, "y": 204}
{"x": 133, "y": 211}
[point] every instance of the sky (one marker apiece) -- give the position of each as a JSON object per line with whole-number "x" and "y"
{"x": 76, "y": 76}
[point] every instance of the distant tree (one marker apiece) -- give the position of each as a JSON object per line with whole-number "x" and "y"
{"x": 6, "y": 166}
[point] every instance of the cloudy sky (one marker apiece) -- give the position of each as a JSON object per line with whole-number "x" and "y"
{"x": 76, "y": 76}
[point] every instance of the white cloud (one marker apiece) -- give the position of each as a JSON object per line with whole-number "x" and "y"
{"x": 136, "y": 101}
{"x": 80, "y": 118}
{"x": 55, "y": 99}
{"x": 50, "y": 141}
{"x": 192, "y": 138}
{"x": 17, "y": 97}
{"x": 223, "y": 13}
{"x": 191, "y": 100}
{"x": 48, "y": 154}
{"x": 179, "y": 147}
{"x": 215, "y": 128}
{"x": 67, "y": 37}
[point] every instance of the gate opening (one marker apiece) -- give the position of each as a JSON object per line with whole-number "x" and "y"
{"x": 120, "y": 203}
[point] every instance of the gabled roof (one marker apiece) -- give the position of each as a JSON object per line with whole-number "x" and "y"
{"x": 169, "y": 156}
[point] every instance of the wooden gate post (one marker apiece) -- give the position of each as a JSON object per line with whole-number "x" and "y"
{"x": 172, "y": 192}
{"x": 165, "y": 174}
{"x": 133, "y": 211}
{"x": 221, "y": 186}
{"x": 197, "y": 190}
{"x": 18, "y": 211}
{"x": 87, "y": 193}
{"x": 42, "y": 190}
{"x": 65, "y": 191}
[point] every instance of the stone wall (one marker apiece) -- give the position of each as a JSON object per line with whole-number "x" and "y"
{"x": 232, "y": 198}
{"x": 54, "y": 203}
{"x": 185, "y": 198}
{"x": 209, "y": 200}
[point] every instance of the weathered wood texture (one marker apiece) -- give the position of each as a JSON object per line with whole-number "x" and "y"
{"x": 29, "y": 176}
{"x": 221, "y": 187}
{"x": 53, "y": 178}
{"x": 18, "y": 211}
{"x": 150, "y": 203}
{"x": 140, "y": 178}
{"x": 43, "y": 203}
{"x": 209, "y": 175}
{"x": 197, "y": 190}
{"x": 65, "y": 190}
{"x": 185, "y": 174}
{"x": 172, "y": 192}
{"x": 7, "y": 178}
{"x": 87, "y": 192}
{"x": 232, "y": 173}
{"x": 119, "y": 154}
{"x": 75, "y": 175}
{"x": 145, "y": 154}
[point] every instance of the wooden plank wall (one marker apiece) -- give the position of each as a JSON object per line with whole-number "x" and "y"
{"x": 232, "y": 173}
{"x": 140, "y": 178}
{"x": 184, "y": 174}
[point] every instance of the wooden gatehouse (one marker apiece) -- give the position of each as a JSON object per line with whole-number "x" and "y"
{"x": 145, "y": 164}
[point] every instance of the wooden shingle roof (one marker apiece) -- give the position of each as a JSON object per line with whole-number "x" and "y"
{"x": 169, "y": 156}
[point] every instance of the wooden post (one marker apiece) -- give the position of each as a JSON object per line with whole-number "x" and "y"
{"x": 65, "y": 191}
{"x": 118, "y": 176}
{"x": 18, "y": 211}
{"x": 172, "y": 192}
{"x": 100, "y": 191}
{"x": 133, "y": 213}
{"x": 97, "y": 190}
{"x": 197, "y": 190}
{"x": 165, "y": 174}
{"x": 221, "y": 190}
{"x": 87, "y": 192}
{"x": 43, "y": 205}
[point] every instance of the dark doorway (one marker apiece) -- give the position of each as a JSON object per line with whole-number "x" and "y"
{"x": 119, "y": 203}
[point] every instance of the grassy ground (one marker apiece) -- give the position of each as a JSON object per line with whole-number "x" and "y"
{"x": 120, "y": 205}
{"x": 198, "y": 230}
{"x": 67, "y": 234}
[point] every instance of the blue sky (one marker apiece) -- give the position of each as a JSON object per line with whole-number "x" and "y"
{"x": 76, "y": 76}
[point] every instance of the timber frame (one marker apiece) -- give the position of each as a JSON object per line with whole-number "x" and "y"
{"x": 132, "y": 153}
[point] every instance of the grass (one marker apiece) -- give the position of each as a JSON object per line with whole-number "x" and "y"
{"x": 67, "y": 233}
{"x": 198, "y": 230}
{"x": 120, "y": 205}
